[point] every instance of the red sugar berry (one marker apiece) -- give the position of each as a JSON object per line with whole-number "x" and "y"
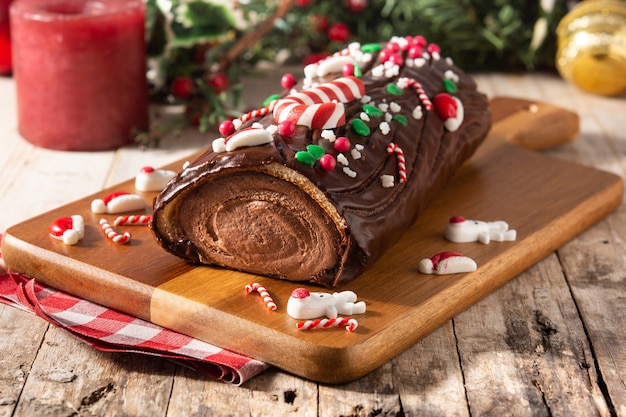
{"x": 146, "y": 170}
{"x": 415, "y": 52}
{"x": 288, "y": 81}
{"x": 385, "y": 55}
{"x": 433, "y": 48}
{"x": 393, "y": 46}
{"x": 419, "y": 40}
{"x": 226, "y": 128}
{"x": 445, "y": 105}
{"x": 396, "y": 59}
{"x": 457, "y": 219}
{"x": 348, "y": 70}
{"x": 286, "y": 128}
{"x": 342, "y": 144}
{"x": 327, "y": 162}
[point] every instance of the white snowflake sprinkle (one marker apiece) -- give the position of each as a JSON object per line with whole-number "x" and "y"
{"x": 328, "y": 135}
{"x": 418, "y": 113}
{"x": 359, "y": 146}
{"x": 355, "y": 153}
{"x": 384, "y": 128}
{"x": 395, "y": 107}
{"x": 341, "y": 158}
{"x": 436, "y": 56}
{"x": 383, "y": 107}
{"x": 364, "y": 116}
{"x": 419, "y": 62}
{"x": 387, "y": 181}
{"x": 366, "y": 99}
{"x": 409, "y": 62}
{"x": 388, "y": 117}
{"x": 378, "y": 71}
{"x": 449, "y": 61}
{"x": 349, "y": 172}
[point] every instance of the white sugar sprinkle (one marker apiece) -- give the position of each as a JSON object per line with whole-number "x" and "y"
{"x": 355, "y": 154}
{"x": 364, "y": 117}
{"x": 384, "y": 128}
{"x": 418, "y": 112}
{"x": 349, "y": 172}
{"x": 388, "y": 117}
{"x": 359, "y": 146}
{"x": 395, "y": 107}
{"x": 366, "y": 99}
{"x": 383, "y": 107}
{"x": 341, "y": 158}
{"x": 328, "y": 135}
{"x": 387, "y": 181}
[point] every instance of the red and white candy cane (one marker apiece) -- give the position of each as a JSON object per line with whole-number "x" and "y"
{"x": 256, "y": 287}
{"x": 410, "y": 82}
{"x": 132, "y": 220}
{"x": 320, "y": 107}
{"x": 393, "y": 148}
{"x": 350, "y": 323}
{"x": 112, "y": 235}
{"x": 258, "y": 112}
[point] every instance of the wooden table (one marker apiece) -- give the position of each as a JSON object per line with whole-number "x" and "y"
{"x": 552, "y": 342}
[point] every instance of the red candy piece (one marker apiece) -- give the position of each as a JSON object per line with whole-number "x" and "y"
{"x": 111, "y": 196}
{"x": 445, "y": 106}
{"x": 146, "y": 170}
{"x": 348, "y": 70}
{"x": 342, "y": 144}
{"x": 226, "y": 128}
{"x": 419, "y": 41}
{"x": 286, "y": 128}
{"x": 59, "y": 226}
{"x": 288, "y": 81}
{"x": 327, "y": 162}
{"x": 433, "y": 48}
{"x": 415, "y": 52}
{"x": 300, "y": 293}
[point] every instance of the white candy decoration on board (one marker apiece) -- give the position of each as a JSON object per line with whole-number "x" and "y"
{"x": 304, "y": 305}
{"x": 150, "y": 179}
{"x": 68, "y": 229}
{"x": 447, "y": 263}
{"x": 118, "y": 202}
{"x": 462, "y": 230}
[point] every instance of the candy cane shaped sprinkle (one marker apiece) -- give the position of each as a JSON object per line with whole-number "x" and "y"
{"x": 393, "y": 148}
{"x": 112, "y": 235}
{"x": 256, "y": 287}
{"x": 421, "y": 94}
{"x": 132, "y": 220}
{"x": 350, "y": 324}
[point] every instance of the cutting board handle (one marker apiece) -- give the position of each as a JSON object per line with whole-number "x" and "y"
{"x": 530, "y": 124}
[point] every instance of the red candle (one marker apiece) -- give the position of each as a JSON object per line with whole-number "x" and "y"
{"x": 79, "y": 69}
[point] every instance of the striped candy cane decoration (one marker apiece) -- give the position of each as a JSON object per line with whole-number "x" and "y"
{"x": 393, "y": 148}
{"x": 350, "y": 323}
{"x": 256, "y": 287}
{"x": 258, "y": 112}
{"x": 132, "y": 220}
{"x": 112, "y": 235}
{"x": 320, "y": 107}
{"x": 410, "y": 82}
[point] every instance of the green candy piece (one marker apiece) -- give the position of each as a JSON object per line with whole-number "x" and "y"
{"x": 372, "y": 111}
{"x": 371, "y": 47}
{"x": 358, "y": 72}
{"x": 360, "y": 128}
{"x": 394, "y": 89}
{"x": 400, "y": 119}
{"x": 305, "y": 158}
{"x": 449, "y": 86}
{"x": 316, "y": 151}
{"x": 271, "y": 98}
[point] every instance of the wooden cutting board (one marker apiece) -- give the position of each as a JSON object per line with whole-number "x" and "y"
{"x": 548, "y": 201}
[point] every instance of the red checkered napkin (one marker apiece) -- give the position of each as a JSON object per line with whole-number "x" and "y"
{"x": 109, "y": 330}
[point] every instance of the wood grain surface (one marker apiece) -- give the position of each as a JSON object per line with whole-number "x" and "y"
{"x": 503, "y": 181}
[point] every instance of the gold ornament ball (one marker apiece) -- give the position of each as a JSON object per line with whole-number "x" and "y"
{"x": 592, "y": 46}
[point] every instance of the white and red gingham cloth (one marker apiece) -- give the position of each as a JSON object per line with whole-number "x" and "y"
{"x": 109, "y": 330}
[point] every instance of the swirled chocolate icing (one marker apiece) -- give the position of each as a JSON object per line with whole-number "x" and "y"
{"x": 275, "y": 209}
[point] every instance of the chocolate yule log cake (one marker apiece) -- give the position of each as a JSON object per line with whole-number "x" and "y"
{"x": 321, "y": 181}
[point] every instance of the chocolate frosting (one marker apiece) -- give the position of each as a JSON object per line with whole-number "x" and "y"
{"x": 372, "y": 217}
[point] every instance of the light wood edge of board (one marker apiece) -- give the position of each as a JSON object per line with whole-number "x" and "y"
{"x": 518, "y": 122}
